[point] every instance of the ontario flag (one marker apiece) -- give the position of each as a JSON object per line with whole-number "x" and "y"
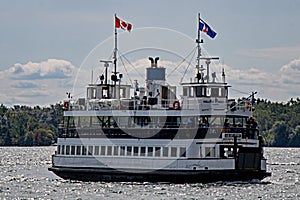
{"x": 122, "y": 24}
{"x": 206, "y": 29}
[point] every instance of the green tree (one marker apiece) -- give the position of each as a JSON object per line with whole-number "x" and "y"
{"x": 281, "y": 131}
{"x": 42, "y": 137}
{"x": 295, "y": 137}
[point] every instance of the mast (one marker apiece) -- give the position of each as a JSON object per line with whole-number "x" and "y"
{"x": 115, "y": 48}
{"x": 115, "y": 58}
{"x": 198, "y": 41}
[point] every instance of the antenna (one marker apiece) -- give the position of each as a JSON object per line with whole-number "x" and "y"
{"x": 208, "y": 61}
{"x": 106, "y": 65}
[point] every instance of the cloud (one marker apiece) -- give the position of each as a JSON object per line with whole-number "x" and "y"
{"x": 36, "y": 83}
{"x": 50, "y": 69}
{"x": 290, "y": 73}
{"x": 278, "y": 85}
{"x": 25, "y": 85}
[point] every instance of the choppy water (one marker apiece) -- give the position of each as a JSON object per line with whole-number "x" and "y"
{"x": 24, "y": 175}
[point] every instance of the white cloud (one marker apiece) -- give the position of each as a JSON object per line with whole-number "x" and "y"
{"x": 279, "y": 85}
{"x": 290, "y": 73}
{"x": 35, "y": 83}
{"x": 52, "y": 68}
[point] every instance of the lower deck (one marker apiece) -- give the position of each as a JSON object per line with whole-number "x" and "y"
{"x": 145, "y": 159}
{"x": 146, "y": 154}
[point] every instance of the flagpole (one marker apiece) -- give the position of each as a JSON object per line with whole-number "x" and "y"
{"x": 198, "y": 41}
{"x": 115, "y": 56}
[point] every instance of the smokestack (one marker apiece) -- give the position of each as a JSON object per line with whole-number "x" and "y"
{"x": 155, "y": 62}
{"x": 152, "y": 62}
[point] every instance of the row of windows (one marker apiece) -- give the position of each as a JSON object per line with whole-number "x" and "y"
{"x": 200, "y": 91}
{"x": 121, "y": 151}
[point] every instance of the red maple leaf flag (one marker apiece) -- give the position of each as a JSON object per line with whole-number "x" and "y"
{"x": 122, "y": 24}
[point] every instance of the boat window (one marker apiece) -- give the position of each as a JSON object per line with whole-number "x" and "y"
{"x": 182, "y": 151}
{"x": 191, "y": 93}
{"x": 102, "y": 152}
{"x": 135, "y": 151}
{"x": 94, "y": 93}
{"x": 214, "y": 92}
{"x": 209, "y": 151}
{"x": 165, "y": 152}
{"x": 116, "y": 150}
{"x": 109, "y": 151}
{"x": 240, "y": 121}
{"x": 157, "y": 151}
{"x": 150, "y": 151}
{"x": 90, "y": 150}
{"x": 63, "y": 149}
{"x": 222, "y": 92}
{"x": 122, "y": 150}
{"x": 67, "y": 149}
{"x": 105, "y": 93}
{"x": 173, "y": 152}
{"x": 143, "y": 151}
{"x": 200, "y": 91}
{"x": 208, "y": 92}
{"x": 84, "y": 150}
{"x": 72, "y": 150}
{"x": 96, "y": 150}
{"x": 78, "y": 150}
{"x": 129, "y": 151}
{"x": 58, "y": 149}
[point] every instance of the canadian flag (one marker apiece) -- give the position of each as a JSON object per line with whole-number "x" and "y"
{"x": 122, "y": 24}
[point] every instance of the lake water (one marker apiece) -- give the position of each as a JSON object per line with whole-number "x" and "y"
{"x": 24, "y": 175}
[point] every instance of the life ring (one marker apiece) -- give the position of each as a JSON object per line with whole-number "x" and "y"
{"x": 66, "y": 105}
{"x": 249, "y": 106}
{"x": 176, "y": 105}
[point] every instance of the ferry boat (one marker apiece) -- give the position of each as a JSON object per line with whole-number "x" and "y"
{"x": 123, "y": 132}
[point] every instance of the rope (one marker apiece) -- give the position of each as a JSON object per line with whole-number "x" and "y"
{"x": 184, "y": 59}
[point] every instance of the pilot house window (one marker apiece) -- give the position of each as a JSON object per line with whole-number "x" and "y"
{"x": 209, "y": 151}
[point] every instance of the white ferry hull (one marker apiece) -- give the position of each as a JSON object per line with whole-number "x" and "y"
{"x": 121, "y": 169}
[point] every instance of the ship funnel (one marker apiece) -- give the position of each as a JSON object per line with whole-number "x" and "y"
{"x": 152, "y": 62}
{"x": 155, "y": 61}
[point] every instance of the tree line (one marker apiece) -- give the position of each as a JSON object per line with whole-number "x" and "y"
{"x": 278, "y": 123}
{"x": 29, "y": 126}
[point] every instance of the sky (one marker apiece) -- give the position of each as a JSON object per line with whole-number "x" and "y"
{"x": 50, "y": 47}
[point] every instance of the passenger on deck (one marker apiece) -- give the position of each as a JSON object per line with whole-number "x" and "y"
{"x": 204, "y": 123}
{"x": 251, "y": 125}
{"x": 226, "y": 126}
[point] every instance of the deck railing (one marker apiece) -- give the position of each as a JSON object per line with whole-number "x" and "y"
{"x": 185, "y": 103}
{"x": 158, "y": 133}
